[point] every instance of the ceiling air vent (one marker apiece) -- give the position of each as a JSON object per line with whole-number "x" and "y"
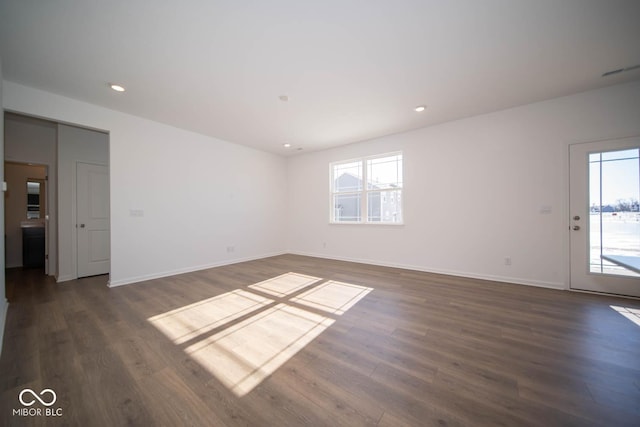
{"x": 620, "y": 70}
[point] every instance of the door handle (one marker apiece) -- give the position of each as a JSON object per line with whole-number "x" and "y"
{"x": 81, "y": 225}
{"x": 576, "y": 227}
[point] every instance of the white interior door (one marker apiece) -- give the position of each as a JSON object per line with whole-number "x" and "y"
{"x": 92, "y": 204}
{"x": 604, "y": 187}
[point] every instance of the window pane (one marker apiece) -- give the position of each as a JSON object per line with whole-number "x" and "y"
{"x": 346, "y": 207}
{"x": 382, "y": 193}
{"x": 614, "y": 193}
{"x": 347, "y": 177}
{"x": 620, "y": 155}
{"x": 384, "y": 172}
{"x": 384, "y": 206}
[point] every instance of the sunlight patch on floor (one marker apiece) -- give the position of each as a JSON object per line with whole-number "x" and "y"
{"x": 188, "y": 322}
{"x": 632, "y": 314}
{"x": 284, "y": 284}
{"x": 242, "y": 337}
{"x": 245, "y": 354}
{"x": 333, "y": 297}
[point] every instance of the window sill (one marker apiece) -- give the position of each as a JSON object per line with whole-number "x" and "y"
{"x": 375, "y": 224}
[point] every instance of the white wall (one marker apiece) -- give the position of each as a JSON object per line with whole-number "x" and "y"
{"x": 199, "y": 195}
{"x": 29, "y": 140}
{"x": 16, "y": 175}
{"x": 474, "y": 189}
{"x": 74, "y": 145}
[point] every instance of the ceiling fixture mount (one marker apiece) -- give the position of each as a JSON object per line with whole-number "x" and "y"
{"x": 621, "y": 70}
{"x": 117, "y": 87}
{"x": 283, "y": 98}
{"x": 420, "y": 108}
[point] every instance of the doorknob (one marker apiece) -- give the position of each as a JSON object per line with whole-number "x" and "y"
{"x": 576, "y": 218}
{"x": 576, "y": 227}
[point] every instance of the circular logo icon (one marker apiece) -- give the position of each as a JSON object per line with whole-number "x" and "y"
{"x": 28, "y": 401}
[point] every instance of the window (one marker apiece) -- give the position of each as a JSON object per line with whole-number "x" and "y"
{"x": 367, "y": 190}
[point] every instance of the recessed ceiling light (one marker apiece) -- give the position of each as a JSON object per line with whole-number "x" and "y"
{"x": 117, "y": 87}
{"x": 420, "y": 108}
{"x": 286, "y": 145}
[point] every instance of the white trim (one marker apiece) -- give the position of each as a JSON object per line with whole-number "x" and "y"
{"x": 364, "y": 224}
{"x": 603, "y": 294}
{"x": 3, "y": 324}
{"x": 145, "y": 277}
{"x": 502, "y": 279}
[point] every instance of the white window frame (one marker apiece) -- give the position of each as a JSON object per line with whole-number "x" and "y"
{"x": 364, "y": 191}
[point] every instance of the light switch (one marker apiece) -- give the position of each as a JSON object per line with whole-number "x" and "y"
{"x": 136, "y": 212}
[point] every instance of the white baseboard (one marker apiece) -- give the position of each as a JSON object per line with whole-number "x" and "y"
{"x": 494, "y": 278}
{"x": 145, "y": 277}
{"x": 503, "y": 279}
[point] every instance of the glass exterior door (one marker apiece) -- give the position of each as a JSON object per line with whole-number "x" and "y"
{"x": 605, "y": 216}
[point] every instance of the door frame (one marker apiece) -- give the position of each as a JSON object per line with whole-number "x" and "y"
{"x": 567, "y": 210}
{"x": 50, "y": 220}
{"x": 45, "y": 186}
{"x": 62, "y": 253}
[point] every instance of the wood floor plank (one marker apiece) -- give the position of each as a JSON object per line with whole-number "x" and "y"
{"x": 110, "y": 390}
{"x": 418, "y": 349}
{"x": 347, "y": 409}
{"x": 181, "y": 405}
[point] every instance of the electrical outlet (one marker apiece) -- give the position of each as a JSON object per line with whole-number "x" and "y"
{"x": 231, "y": 249}
{"x": 507, "y": 260}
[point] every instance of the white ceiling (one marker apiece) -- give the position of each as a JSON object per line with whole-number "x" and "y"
{"x": 353, "y": 70}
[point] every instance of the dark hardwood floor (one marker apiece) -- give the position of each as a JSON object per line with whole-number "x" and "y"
{"x": 419, "y": 349}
